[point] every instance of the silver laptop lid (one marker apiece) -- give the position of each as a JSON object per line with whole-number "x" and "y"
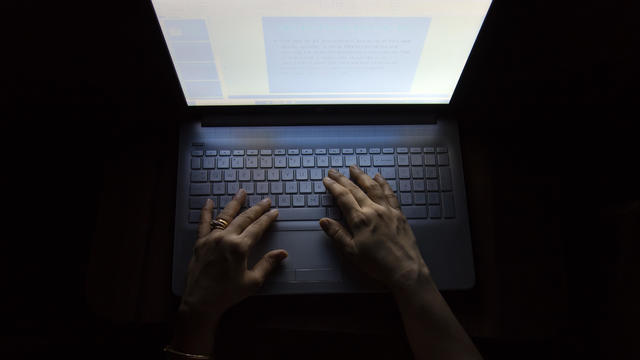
{"x": 294, "y": 52}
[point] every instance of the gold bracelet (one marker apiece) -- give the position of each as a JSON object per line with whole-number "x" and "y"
{"x": 188, "y": 356}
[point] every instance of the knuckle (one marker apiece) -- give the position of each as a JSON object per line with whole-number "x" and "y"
{"x": 360, "y": 219}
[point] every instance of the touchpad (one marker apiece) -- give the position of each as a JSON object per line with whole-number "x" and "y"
{"x": 312, "y": 256}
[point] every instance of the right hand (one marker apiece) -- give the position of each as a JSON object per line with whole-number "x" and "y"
{"x": 379, "y": 239}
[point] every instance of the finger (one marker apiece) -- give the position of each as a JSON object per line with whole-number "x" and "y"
{"x": 371, "y": 188}
{"x": 358, "y": 194}
{"x": 346, "y": 202}
{"x": 254, "y": 231}
{"x": 341, "y": 237}
{"x": 249, "y": 216}
{"x": 231, "y": 210}
{"x": 392, "y": 199}
{"x": 269, "y": 261}
{"x": 205, "y": 218}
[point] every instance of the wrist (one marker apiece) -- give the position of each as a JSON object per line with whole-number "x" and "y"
{"x": 194, "y": 330}
{"x": 410, "y": 282}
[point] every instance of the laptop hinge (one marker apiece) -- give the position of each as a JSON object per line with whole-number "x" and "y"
{"x": 319, "y": 118}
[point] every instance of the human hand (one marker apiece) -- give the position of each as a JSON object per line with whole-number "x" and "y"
{"x": 218, "y": 276}
{"x": 379, "y": 239}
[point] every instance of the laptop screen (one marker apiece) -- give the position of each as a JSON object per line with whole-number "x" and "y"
{"x": 297, "y": 52}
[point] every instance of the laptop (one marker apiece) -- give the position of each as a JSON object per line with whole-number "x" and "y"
{"x": 279, "y": 92}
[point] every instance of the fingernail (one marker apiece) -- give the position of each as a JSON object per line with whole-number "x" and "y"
{"x": 273, "y": 211}
{"x": 328, "y": 179}
{"x": 265, "y": 200}
{"x": 209, "y": 201}
{"x": 333, "y": 172}
{"x": 282, "y": 255}
{"x": 324, "y": 223}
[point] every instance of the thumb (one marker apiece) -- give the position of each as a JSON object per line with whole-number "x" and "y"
{"x": 268, "y": 262}
{"x": 338, "y": 233}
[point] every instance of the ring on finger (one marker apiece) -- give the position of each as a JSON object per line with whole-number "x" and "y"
{"x": 219, "y": 224}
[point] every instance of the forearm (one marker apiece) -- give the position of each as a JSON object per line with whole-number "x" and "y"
{"x": 432, "y": 329}
{"x": 194, "y": 332}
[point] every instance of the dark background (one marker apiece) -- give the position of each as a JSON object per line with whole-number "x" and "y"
{"x": 547, "y": 111}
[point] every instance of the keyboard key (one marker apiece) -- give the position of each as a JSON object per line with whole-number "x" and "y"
{"x": 197, "y": 153}
{"x": 229, "y": 175}
{"x": 262, "y": 188}
{"x": 238, "y": 152}
{"x": 315, "y": 174}
{"x": 417, "y": 172}
{"x": 415, "y": 150}
{"x": 293, "y": 152}
{"x": 211, "y": 153}
{"x": 402, "y": 150}
{"x": 225, "y": 152}
{"x": 392, "y": 185}
{"x": 448, "y": 206}
{"x": 258, "y": 175}
{"x": 291, "y": 187}
{"x": 294, "y": 161}
{"x": 349, "y": 160}
{"x": 265, "y": 152}
{"x": 414, "y": 212}
{"x": 280, "y": 161}
{"x": 252, "y": 162}
{"x": 199, "y": 189}
{"x": 273, "y": 174}
{"x": 266, "y": 161}
{"x": 287, "y": 174}
{"x": 308, "y": 161}
{"x": 195, "y": 163}
{"x": 429, "y": 149}
{"x": 284, "y": 201}
{"x": 432, "y": 185}
{"x": 244, "y": 175}
{"x": 334, "y": 151}
{"x": 383, "y": 160}
{"x": 347, "y": 151}
{"x": 430, "y": 159}
{"x": 209, "y": 163}
{"x": 197, "y": 202}
{"x": 323, "y": 161}
{"x": 237, "y": 162}
{"x": 431, "y": 172}
{"x": 334, "y": 213}
{"x": 198, "y": 176}
{"x": 419, "y": 199}
{"x": 298, "y": 200}
{"x": 388, "y": 173}
{"x": 406, "y": 199}
{"x": 403, "y": 160}
{"x": 445, "y": 179}
{"x": 434, "y": 212}
{"x": 280, "y": 152}
{"x": 252, "y": 152}
{"x": 321, "y": 151}
{"x": 225, "y": 200}
{"x": 223, "y": 163}
{"x": 194, "y": 216}
{"x": 361, "y": 150}
{"x": 387, "y": 150}
{"x": 305, "y": 187}
{"x": 371, "y": 172}
{"x": 302, "y": 174}
{"x": 248, "y": 187}
{"x": 443, "y": 159}
{"x": 219, "y": 189}
{"x": 416, "y": 159}
{"x": 404, "y": 173}
{"x": 336, "y": 161}
{"x": 442, "y": 149}
{"x": 318, "y": 187}
{"x": 327, "y": 200}
{"x": 418, "y": 185}
{"x": 374, "y": 151}
{"x": 276, "y": 188}
{"x": 345, "y": 172}
{"x": 232, "y": 188}
{"x": 364, "y": 160}
{"x": 313, "y": 200}
{"x": 301, "y": 214}
{"x": 307, "y": 151}
{"x": 433, "y": 198}
{"x": 254, "y": 199}
{"x": 404, "y": 185}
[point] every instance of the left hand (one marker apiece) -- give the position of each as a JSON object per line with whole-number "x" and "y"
{"x": 218, "y": 276}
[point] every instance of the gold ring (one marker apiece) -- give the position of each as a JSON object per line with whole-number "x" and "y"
{"x": 219, "y": 223}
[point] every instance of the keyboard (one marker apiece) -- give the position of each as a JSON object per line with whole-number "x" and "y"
{"x": 292, "y": 178}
